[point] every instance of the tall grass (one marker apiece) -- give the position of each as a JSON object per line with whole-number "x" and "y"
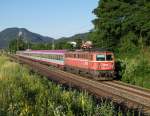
{"x": 26, "y": 94}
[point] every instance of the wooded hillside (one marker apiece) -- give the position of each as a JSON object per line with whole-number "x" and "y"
{"x": 122, "y": 23}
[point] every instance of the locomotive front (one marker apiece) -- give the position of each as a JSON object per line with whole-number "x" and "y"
{"x": 102, "y": 66}
{"x": 97, "y": 64}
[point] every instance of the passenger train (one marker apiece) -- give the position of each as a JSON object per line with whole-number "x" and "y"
{"x": 99, "y": 65}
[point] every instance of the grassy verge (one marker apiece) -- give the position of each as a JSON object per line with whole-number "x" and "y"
{"x": 25, "y": 94}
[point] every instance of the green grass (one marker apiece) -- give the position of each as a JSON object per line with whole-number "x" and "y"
{"x": 23, "y": 93}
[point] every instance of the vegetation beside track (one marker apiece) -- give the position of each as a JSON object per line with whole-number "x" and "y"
{"x": 134, "y": 67}
{"x": 24, "y": 93}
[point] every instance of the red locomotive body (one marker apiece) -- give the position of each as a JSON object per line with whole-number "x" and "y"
{"x": 100, "y": 65}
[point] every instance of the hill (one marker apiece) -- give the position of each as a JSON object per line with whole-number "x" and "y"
{"x": 83, "y": 36}
{"x": 9, "y": 34}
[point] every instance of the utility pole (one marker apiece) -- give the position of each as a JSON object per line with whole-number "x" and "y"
{"x": 28, "y": 44}
{"x": 53, "y": 44}
{"x": 19, "y": 37}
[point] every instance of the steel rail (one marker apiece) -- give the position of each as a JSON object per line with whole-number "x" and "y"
{"x": 118, "y": 91}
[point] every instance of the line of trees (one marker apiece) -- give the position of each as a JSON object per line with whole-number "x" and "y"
{"x": 20, "y": 44}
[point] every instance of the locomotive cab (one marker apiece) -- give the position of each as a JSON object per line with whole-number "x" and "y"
{"x": 104, "y": 65}
{"x": 104, "y": 57}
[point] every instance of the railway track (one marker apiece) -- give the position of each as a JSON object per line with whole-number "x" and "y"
{"x": 132, "y": 96}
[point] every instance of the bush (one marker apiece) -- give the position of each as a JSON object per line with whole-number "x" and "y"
{"x": 135, "y": 71}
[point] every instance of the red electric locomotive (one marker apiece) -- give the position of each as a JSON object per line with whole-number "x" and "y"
{"x": 98, "y": 64}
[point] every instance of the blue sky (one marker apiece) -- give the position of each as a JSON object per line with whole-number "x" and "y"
{"x": 54, "y": 18}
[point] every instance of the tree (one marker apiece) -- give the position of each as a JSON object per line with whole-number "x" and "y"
{"x": 16, "y": 45}
{"x": 79, "y": 43}
{"x": 116, "y": 18}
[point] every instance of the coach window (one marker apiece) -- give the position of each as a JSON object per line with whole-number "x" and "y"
{"x": 46, "y": 56}
{"x": 49, "y": 56}
{"x": 84, "y": 56}
{"x": 87, "y": 56}
{"x": 61, "y": 57}
{"x": 91, "y": 57}
{"x": 100, "y": 57}
{"x": 78, "y": 55}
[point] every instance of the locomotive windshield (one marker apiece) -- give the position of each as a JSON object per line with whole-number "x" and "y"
{"x": 100, "y": 57}
{"x": 109, "y": 57}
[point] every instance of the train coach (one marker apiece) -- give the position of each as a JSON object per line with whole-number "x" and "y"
{"x": 50, "y": 57}
{"x": 96, "y": 64}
